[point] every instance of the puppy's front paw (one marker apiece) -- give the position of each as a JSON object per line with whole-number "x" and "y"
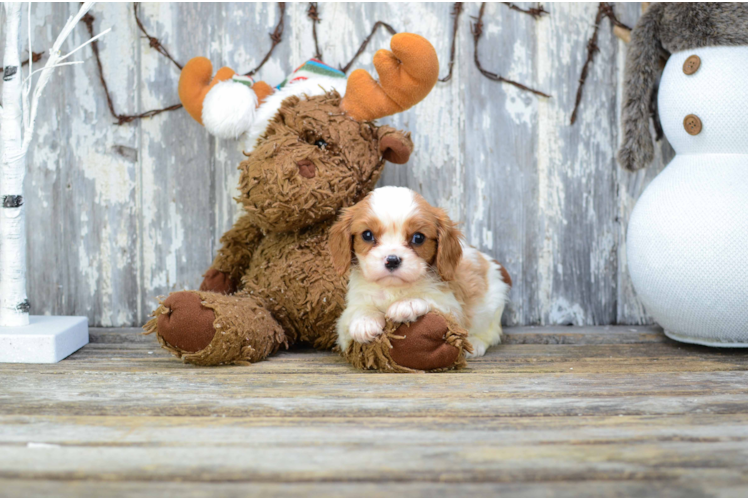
{"x": 365, "y": 329}
{"x": 479, "y": 347}
{"x": 407, "y": 310}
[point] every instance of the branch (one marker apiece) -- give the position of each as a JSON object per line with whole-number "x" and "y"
{"x": 154, "y": 42}
{"x": 456, "y": 11}
{"x": 366, "y": 41}
{"x": 477, "y": 30}
{"x": 603, "y": 10}
{"x": 35, "y": 57}
{"x": 535, "y": 12}
{"x": 313, "y": 14}
{"x": 276, "y": 36}
{"x": 88, "y": 20}
{"x": 55, "y": 58}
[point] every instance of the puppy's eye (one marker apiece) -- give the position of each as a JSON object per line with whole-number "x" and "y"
{"x": 367, "y": 235}
{"x": 417, "y": 239}
{"x": 320, "y": 144}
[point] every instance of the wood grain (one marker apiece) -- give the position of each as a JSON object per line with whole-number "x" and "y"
{"x": 121, "y": 214}
{"x": 556, "y": 411}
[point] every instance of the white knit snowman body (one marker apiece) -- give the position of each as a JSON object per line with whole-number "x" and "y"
{"x": 687, "y": 241}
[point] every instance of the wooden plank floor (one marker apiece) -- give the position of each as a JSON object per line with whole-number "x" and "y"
{"x": 554, "y": 411}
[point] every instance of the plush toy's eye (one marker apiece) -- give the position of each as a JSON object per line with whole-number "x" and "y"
{"x": 320, "y": 144}
{"x": 417, "y": 239}
{"x": 367, "y": 235}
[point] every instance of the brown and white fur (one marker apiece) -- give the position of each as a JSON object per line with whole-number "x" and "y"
{"x": 440, "y": 273}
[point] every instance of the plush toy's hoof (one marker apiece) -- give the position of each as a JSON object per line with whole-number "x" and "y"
{"x": 435, "y": 342}
{"x": 423, "y": 345}
{"x": 208, "y": 328}
{"x": 188, "y": 326}
{"x": 217, "y": 281}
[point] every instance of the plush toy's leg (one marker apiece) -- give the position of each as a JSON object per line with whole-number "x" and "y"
{"x": 435, "y": 342}
{"x": 207, "y": 328}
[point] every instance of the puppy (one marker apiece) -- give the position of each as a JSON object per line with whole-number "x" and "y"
{"x": 409, "y": 258}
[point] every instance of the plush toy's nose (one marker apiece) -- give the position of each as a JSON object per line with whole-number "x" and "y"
{"x": 392, "y": 262}
{"x": 306, "y": 169}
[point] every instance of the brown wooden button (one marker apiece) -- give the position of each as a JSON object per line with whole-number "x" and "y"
{"x": 691, "y": 65}
{"x": 692, "y": 124}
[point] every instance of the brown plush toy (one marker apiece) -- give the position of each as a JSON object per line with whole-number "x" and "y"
{"x": 315, "y": 152}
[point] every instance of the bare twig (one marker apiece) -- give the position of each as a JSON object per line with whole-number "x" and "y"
{"x": 592, "y": 48}
{"x": 88, "y": 20}
{"x": 35, "y": 57}
{"x": 535, "y": 12}
{"x": 152, "y": 40}
{"x": 276, "y": 37}
{"x": 366, "y": 41}
{"x": 477, "y": 29}
{"x": 604, "y": 10}
{"x": 313, "y": 14}
{"x": 456, "y": 11}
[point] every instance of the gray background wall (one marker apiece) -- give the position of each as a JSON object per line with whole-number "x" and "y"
{"x": 120, "y": 214}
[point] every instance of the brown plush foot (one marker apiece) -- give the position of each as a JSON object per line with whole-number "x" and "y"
{"x": 209, "y": 328}
{"x": 433, "y": 343}
{"x": 217, "y": 281}
{"x": 189, "y": 325}
{"x": 424, "y": 346}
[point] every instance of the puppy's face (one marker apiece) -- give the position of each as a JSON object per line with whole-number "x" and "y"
{"x": 396, "y": 238}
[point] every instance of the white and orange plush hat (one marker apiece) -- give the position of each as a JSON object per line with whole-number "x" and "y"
{"x": 231, "y": 105}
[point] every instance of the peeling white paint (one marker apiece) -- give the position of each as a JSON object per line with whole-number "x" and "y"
{"x": 128, "y": 225}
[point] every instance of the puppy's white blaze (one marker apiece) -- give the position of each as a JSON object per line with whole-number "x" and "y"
{"x": 393, "y": 205}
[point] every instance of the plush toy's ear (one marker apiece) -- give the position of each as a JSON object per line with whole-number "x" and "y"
{"x": 395, "y": 145}
{"x": 449, "y": 248}
{"x": 640, "y": 75}
{"x": 406, "y": 76}
{"x": 225, "y": 104}
{"x": 341, "y": 244}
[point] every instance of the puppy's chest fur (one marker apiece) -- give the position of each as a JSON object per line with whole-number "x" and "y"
{"x": 439, "y": 294}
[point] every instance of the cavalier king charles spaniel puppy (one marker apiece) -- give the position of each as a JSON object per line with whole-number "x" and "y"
{"x": 407, "y": 258}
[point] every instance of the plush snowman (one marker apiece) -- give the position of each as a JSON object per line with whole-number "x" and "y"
{"x": 688, "y": 234}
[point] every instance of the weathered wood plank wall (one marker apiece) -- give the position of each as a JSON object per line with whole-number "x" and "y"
{"x": 121, "y": 214}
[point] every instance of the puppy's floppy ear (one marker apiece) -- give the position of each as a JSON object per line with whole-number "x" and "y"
{"x": 341, "y": 244}
{"x": 395, "y": 145}
{"x": 449, "y": 249}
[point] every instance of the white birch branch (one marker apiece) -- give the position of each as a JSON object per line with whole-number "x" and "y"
{"x": 13, "y": 302}
{"x": 16, "y": 132}
{"x": 55, "y": 57}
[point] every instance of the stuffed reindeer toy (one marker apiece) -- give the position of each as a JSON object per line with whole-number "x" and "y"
{"x": 316, "y": 150}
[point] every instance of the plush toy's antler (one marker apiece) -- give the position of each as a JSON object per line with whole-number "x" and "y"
{"x": 194, "y": 83}
{"x": 406, "y": 76}
{"x": 642, "y": 68}
{"x": 225, "y": 104}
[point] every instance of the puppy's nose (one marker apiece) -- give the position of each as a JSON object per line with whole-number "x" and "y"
{"x": 392, "y": 262}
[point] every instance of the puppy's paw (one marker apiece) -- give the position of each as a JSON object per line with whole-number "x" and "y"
{"x": 365, "y": 329}
{"x": 479, "y": 347}
{"x": 407, "y": 310}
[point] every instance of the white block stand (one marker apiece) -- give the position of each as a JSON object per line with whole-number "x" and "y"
{"x": 46, "y": 339}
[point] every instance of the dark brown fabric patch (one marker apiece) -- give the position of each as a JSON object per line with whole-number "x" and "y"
{"x": 439, "y": 348}
{"x": 217, "y": 281}
{"x": 306, "y": 169}
{"x": 188, "y": 325}
{"x": 423, "y": 344}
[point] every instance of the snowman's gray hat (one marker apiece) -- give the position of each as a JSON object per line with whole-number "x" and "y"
{"x": 663, "y": 29}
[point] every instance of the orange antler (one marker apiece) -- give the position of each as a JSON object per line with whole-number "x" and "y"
{"x": 406, "y": 76}
{"x": 194, "y": 83}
